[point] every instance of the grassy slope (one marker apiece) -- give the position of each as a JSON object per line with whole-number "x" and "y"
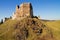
{"x": 55, "y": 28}
{"x": 7, "y": 28}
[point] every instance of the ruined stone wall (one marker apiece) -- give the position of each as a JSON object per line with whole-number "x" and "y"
{"x": 24, "y": 10}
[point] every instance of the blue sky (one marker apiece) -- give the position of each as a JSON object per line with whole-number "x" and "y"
{"x": 46, "y": 9}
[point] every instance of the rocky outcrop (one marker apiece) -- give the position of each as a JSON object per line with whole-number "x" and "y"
{"x": 32, "y": 29}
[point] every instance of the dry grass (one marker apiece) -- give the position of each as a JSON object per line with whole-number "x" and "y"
{"x": 26, "y": 29}
{"x": 55, "y": 28}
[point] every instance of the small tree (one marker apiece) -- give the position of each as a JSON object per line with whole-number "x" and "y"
{"x": 6, "y": 19}
{"x": 1, "y": 21}
{"x": 39, "y": 17}
{"x": 10, "y": 17}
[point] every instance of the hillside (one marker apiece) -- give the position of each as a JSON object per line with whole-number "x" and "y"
{"x": 26, "y": 29}
{"x": 55, "y": 28}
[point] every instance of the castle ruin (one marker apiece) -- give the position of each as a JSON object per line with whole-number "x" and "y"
{"x": 22, "y": 11}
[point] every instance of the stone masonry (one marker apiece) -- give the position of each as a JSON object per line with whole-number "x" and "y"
{"x": 22, "y": 11}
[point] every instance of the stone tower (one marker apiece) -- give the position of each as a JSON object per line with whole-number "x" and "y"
{"x": 22, "y": 11}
